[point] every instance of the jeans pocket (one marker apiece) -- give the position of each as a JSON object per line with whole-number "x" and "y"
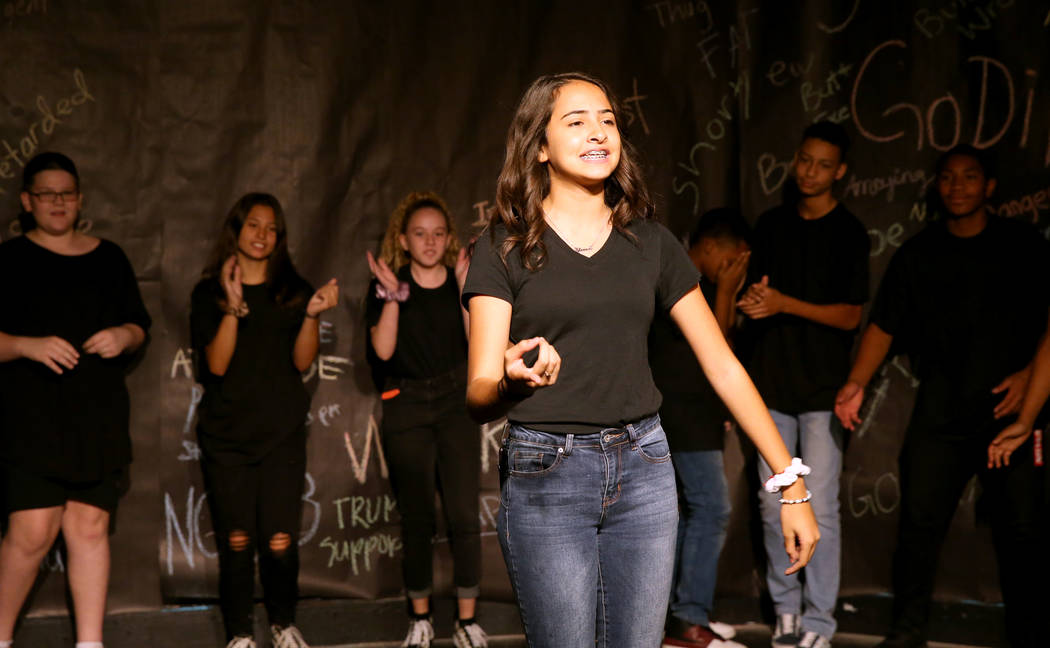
{"x": 653, "y": 446}
{"x": 531, "y": 459}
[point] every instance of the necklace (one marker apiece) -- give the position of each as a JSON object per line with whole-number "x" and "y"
{"x": 578, "y": 250}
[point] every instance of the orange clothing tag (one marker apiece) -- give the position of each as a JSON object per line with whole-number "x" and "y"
{"x": 390, "y": 393}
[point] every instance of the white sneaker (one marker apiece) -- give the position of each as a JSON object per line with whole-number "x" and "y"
{"x": 469, "y": 636}
{"x": 241, "y": 642}
{"x": 787, "y": 632}
{"x": 287, "y": 637}
{"x": 723, "y": 630}
{"x": 814, "y": 640}
{"x": 420, "y": 632}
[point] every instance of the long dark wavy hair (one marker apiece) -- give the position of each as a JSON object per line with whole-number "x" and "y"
{"x": 525, "y": 181}
{"x": 284, "y": 283}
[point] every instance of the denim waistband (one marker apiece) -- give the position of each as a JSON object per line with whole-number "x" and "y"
{"x": 607, "y": 438}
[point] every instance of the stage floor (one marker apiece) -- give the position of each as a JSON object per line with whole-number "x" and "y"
{"x": 343, "y": 623}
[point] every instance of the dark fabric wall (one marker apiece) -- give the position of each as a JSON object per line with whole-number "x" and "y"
{"x": 173, "y": 109}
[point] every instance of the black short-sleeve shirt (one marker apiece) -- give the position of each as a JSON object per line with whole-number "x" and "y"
{"x": 596, "y": 312}
{"x": 430, "y": 336}
{"x": 798, "y": 365}
{"x": 692, "y": 414}
{"x": 72, "y": 426}
{"x": 968, "y": 311}
{"x": 261, "y": 399}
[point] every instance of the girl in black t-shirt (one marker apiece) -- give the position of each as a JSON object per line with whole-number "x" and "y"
{"x": 254, "y": 323}
{"x": 417, "y": 333}
{"x": 569, "y": 272}
{"x": 67, "y": 323}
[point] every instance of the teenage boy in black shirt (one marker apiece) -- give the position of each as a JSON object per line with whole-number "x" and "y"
{"x": 693, "y": 417}
{"x": 812, "y": 260}
{"x": 968, "y": 299}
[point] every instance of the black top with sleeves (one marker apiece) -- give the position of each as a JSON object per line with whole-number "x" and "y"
{"x": 968, "y": 311}
{"x": 430, "y": 336}
{"x": 798, "y": 365}
{"x": 72, "y": 426}
{"x": 692, "y": 413}
{"x": 261, "y": 399}
{"x": 596, "y": 312}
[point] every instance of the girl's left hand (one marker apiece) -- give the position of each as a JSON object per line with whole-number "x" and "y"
{"x": 109, "y": 342}
{"x": 462, "y": 265}
{"x": 326, "y": 297}
{"x": 800, "y": 534}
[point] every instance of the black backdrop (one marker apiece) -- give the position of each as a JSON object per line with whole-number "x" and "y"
{"x": 173, "y": 109}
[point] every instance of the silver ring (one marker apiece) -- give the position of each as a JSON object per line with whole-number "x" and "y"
{"x": 546, "y": 374}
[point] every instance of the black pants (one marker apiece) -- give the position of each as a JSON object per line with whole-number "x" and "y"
{"x": 261, "y": 501}
{"x": 935, "y": 466}
{"x": 429, "y": 439}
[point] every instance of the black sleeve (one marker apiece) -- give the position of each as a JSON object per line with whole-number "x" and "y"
{"x": 131, "y": 308}
{"x": 373, "y": 305}
{"x": 855, "y": 266}
{"x": 205, "y": 316}
{"x": 488, "y": 275}
{"x": 757, "y": 265}
{"x": 891, "y": 306}
{"x": 678, "y": 275}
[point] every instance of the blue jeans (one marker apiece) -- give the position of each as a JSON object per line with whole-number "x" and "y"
{"x": 587, "y": 526}
{"x": 705, "y": 510}
{"x": 817, "y": 439}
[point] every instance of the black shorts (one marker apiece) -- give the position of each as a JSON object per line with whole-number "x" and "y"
{"x": 23, "y": 490}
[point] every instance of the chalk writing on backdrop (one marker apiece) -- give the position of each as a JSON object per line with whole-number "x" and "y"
{"x": 834, "y": 29}
{"x": 925, "y": 117}
{"x": 359, "y": 467}
{"x": 980, "y": 17}
{"x": 18, "y": 153}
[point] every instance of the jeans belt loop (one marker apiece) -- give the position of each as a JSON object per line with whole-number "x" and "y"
{"x": 568, "y": 444}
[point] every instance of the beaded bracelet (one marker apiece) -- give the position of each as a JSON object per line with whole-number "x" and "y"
{"x": 800, "y": 500}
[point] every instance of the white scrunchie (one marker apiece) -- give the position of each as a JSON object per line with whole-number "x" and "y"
{"x": 786, "y": 477}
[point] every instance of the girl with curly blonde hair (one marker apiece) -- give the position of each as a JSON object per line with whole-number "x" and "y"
{"x": 418, "y": 335}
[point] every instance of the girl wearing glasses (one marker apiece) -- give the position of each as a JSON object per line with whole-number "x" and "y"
{"x": 570, "y": 271}
{"x": 67, "y": 328}
{"x": 254, "y": 324}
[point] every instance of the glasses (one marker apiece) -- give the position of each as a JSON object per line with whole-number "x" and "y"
{"x": 53, "y": 196}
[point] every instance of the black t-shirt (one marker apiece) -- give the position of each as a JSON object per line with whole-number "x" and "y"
{"x": 596, "y": 312}
{"x": 692, "y": 413}
{"x": 430, "y": 336}
{"x": 261, "y": 399}
{"x": 72, "y": 426}
{"x": 798, "y": 365}
{"x": 968, "y": 311}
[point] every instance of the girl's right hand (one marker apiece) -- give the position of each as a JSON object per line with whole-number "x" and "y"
{"x": 53, "y": 351}
{"x": 521, "y": 377}
{"x": 383, "y": 274}
{"x": 231, "y": 283}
